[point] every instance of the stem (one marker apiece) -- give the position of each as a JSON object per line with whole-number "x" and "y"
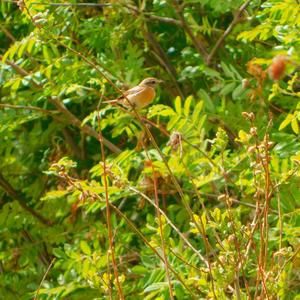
{"x": 19, "y": 198}
{"x": 163, "y": 244}
{"x": 108, "y": 214}
{"x": 235, "y": 20}
{"x": 44, "y": 277}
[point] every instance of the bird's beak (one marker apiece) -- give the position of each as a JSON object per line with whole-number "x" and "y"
{"x": 160, "y": 81}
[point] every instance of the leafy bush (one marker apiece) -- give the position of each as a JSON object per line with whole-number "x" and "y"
{"x": 196, "y": 196}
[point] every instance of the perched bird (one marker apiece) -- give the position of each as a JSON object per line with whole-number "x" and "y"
{"x": 140, "y": 95}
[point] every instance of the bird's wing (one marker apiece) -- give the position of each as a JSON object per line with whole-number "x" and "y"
{"x": 129, "y": 93}
{"x": 134, "y": 91}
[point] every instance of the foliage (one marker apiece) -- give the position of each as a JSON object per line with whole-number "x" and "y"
{"x": 195, "y": 197}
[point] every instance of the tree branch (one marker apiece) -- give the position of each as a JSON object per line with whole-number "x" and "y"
{"x": 164, "y": 19}
{"x": 29, "y": 107}
{"x": 85, "y": 128}
{"x": 154, "y": 17}
{"x": 61, "y": 107}
{"x": 197, "y": 43}
{"x": 163, "y": 59}
{"x": 72, "y": 144}
{"x": 18, "y": 197}
{"x": 74, "y": 4}
{"x": 235, "y": 20}
{"x": 43, "y": 256}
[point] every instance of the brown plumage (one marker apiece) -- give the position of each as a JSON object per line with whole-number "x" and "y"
{"x": 139, "y": 96}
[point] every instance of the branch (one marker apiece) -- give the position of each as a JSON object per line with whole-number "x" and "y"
{"x": 197, "y": 43}
{"x": 72, "y": 144}
{"x": 65, "y": 131}
{"x": 154, "y": 17}
{"x": 164, "y": 20}
{"x": 18, "y": 69}
{"x": 74, "y": 4}
{"x": 235, "y": 20}
{"x": 85, "y": 128}
{"x": 29, "y": 107}
{"x": 43, "y": 256}
{"x": 61, "y": 107}
{"x": 162, "y": 58}
{"x": 18, "y": 197}
{"x": 7, "y": 33}
{"x": 63, "y": 4}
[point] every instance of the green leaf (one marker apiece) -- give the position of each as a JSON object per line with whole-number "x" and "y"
{"x": 160, "y": 110}
{"x": 197, "y": 112}
{"x": 178, "y": 105}
{"x": 85, "y": 247}
{"x": 59, "y": 253}
{"x": 22, "y": 48}
{"x": 16, "y": 84}
{"x": 295, "y": 125}
{"x": 13, "y": 49}
{"x": 156, "y": 286}
{"x": 227, "y": 89}
{"x": 227, "y": 71}
{"x": 5, "y": 56}
{"x": 286, "y": 121}
{"x": 207, "y": 100}
{"x": 238, "y": 91}
{"x": 139, "y": 270}
{"x": 187, "y": 105}
{"x": 30, "y": 45}
{"x": 47, "y": 54}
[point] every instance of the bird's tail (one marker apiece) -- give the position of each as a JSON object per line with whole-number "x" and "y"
{"x": 111, "y": 101}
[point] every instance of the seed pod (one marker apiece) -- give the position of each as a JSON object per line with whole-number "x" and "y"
{"x": 253, "y": 131}
{"x": 277, "y": 68}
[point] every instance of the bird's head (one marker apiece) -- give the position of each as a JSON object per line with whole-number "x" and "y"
{"x": 150, "y": 82}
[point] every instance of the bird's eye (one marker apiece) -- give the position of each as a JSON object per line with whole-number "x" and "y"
{"x": 153, "y": 82}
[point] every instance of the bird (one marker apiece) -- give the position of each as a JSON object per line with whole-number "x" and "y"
{"x": 139, "y": 96}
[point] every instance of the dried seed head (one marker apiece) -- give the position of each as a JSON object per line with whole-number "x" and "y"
{"x": 222, "y": 197}
{"x": 175, "y": 140}
{"x": 249, "y": 116}
{"x": 245, "y": 83}
{"x": 231, "y": 238}
{"x": 277, "y": 68}
{"x": 257, "y": 172}
{"x": 253, "y": 131}
{"x": 21, "y": 4}
{"x": 251, "y": 149}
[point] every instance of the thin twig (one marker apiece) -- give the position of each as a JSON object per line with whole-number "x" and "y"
{"x": 72, "y": 182}
{"x": 159, "y": 218}
{"x": 163, "y": 59}
{"x": 42, "y": 255}
{"x": 73, "y": 4}
{"x": 235, "y": 20}
{"x": 29, "y": 107}
{"x": 163, "y": 19}
{"x": 63, "y": 4}
{"x": 196, "y": 42}
{"x": 85, "y": 128}
{"x": 184, "y": 239}
{"x": 136, "y": 230}
{"x": 17, "y": 68}
{"x": 7, "y": 33}
{"x": 108, "y": 214}
{"x": 61, "y": 107}
{"x": 19, "y": 198}
{"x": 44, "y": 277}
{"x": 154, "y": 17}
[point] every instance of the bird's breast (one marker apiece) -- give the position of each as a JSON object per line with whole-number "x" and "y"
{"x": 142, "y": 99}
